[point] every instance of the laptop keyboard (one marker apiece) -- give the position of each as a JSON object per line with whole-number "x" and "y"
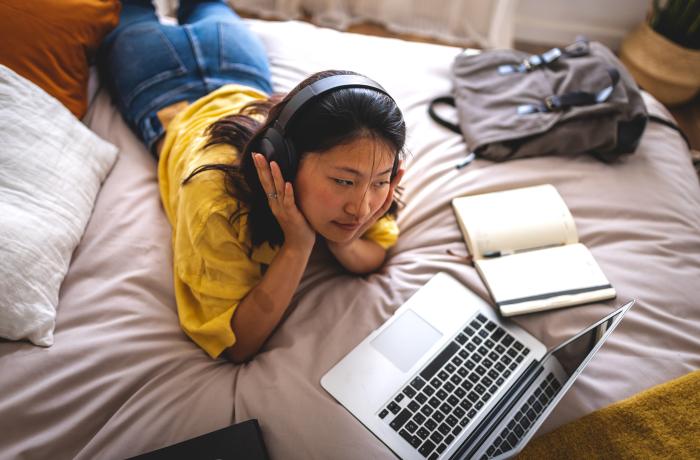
{"x": 449, "y": 392}
{"x": 525, "y": 417}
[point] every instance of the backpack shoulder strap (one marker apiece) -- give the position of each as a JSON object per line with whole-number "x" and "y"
{"x": 671, "y": 125}
{"x": 447, "y": 100}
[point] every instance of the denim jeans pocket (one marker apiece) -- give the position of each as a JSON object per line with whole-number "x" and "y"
{"x": 142, "y": 56}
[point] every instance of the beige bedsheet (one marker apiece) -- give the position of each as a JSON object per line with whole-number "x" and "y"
{"x": 122, "y": 378}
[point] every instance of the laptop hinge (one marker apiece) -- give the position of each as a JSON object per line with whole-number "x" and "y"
{"x": 498, "y": 412}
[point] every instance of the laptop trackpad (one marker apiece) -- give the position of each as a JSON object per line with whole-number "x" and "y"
{"x": 406, "y": 340}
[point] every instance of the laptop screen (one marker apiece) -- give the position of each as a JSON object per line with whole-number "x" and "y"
{"x": 572, "y": 353}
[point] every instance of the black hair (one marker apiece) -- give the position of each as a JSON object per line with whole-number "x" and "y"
{"x": 338, "y": 117}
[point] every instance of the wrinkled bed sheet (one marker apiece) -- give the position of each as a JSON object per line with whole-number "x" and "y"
{"x": 123, "y": 379}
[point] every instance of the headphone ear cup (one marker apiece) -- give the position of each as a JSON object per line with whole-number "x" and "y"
{"x": 274, "y": 147}
{"x": 291, "y": 161}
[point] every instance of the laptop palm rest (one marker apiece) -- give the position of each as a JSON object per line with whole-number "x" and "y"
{"x": 406, "y": 340}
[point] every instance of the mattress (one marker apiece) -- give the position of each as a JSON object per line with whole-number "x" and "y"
{"x": 122, "y": 378}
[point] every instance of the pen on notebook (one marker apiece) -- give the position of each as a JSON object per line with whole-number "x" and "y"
{"x": 492, "y": 254}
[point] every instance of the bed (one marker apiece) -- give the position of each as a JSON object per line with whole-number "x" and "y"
{"x": 122, "y": 378}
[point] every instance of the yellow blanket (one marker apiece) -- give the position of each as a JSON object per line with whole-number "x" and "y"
{"x": 661, "y": 422}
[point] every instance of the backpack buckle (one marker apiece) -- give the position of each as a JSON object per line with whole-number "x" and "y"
{"x": 553, "y": 103}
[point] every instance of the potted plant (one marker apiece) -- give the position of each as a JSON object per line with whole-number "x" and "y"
{"x": 663, "y": 53}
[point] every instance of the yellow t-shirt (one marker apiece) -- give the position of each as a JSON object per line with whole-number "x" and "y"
{"x": 215, "y": 263}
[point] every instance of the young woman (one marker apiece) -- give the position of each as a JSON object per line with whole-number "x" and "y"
{"x": 244, "y": 223}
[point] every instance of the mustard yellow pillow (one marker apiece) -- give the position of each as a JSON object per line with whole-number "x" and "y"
{"x": 51, "y": 42}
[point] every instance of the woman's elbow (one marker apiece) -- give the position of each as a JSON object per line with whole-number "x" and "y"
{"x": 238, "y": 355}
{"x": 369, "y": 266}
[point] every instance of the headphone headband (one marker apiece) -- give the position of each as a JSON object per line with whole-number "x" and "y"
{"x": 318, "y": 88}
{"x": 274, "y": 143}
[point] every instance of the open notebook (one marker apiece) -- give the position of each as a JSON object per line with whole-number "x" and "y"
{"x": 525, "y": 247}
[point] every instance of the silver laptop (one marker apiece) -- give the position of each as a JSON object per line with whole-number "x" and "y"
{"x": 444, "y": 377}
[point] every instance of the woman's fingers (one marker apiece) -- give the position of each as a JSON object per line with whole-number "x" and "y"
{"x": 288, "y": 198}
{"x": 265, "y": 174}
{"x": 280, "y": 198}
{"x": 278, "y": 180}
{"x": 279, "y": 193}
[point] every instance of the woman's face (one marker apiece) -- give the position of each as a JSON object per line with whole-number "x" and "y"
{"x": 342, "y": 188}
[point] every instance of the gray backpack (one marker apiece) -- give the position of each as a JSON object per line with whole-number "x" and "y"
{"x": 568, "y": 102}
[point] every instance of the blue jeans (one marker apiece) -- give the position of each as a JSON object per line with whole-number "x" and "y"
{"x": 148, "y": 66}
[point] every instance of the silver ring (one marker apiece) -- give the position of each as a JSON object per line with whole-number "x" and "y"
{"x": 272, "y": 195}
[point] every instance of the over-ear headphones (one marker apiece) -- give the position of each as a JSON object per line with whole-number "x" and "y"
{"x": 274, "y": 143}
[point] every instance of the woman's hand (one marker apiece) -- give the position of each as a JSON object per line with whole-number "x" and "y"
{"x": 280, "y": 196}
{"x": 263, "y": 307}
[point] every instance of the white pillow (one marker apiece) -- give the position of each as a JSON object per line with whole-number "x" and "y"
{"x": 51, "y": 168}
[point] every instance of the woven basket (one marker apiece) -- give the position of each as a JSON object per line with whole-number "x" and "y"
{"x": 668, "y": 71}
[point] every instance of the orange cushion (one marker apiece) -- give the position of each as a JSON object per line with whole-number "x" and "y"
{"x": 50, "y": 42}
